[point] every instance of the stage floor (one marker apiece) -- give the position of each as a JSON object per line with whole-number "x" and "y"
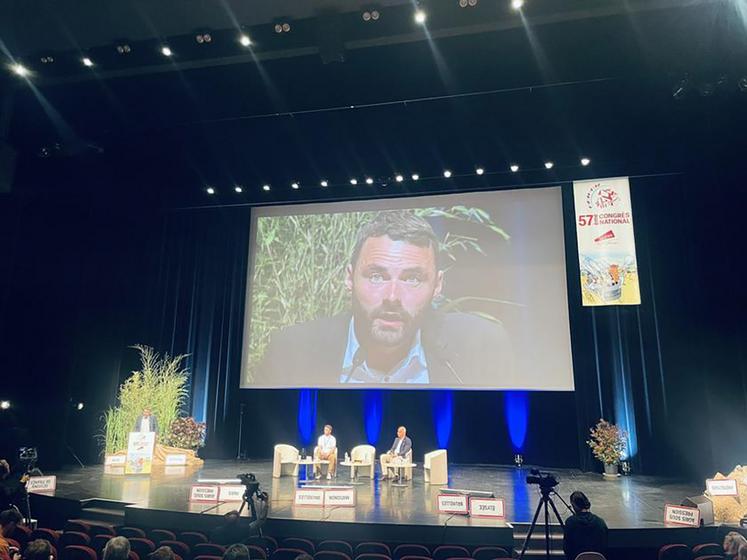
{"x": 634, "y": 502}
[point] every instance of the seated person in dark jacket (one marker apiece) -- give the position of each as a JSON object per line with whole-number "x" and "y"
{"x": 230, "y": 532}
{"x": 583, "y": 531}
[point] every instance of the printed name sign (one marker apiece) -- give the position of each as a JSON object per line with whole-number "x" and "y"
{"x": 200, "y": 493}
{"x": 340, "y": 497}
{"x": 309, "y": 497}
{"x": 115, "y": 460}
{"x": 176, "y": 459}
{"x": 487, "y": 507}
{"x": 41, "y": 484}
{"x": 681, "y": 515}
{"x": 453, "y": 503}
{"x": 722, "y": 487}
{"x": 231, "y": 493}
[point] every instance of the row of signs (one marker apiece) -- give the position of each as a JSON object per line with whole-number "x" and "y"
{"x": 216, "y": 493}
{"x": 172, "y": 460}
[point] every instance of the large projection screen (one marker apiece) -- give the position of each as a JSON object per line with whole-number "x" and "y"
{"x": 462, "y": 291}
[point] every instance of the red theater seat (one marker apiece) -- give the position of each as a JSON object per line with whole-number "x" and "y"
{"x": 191, "y": 538}
{"x": 101, "y": 530}
{"x": 331, "y": 555}
{"x": 143, "y": 547}
{"x": 78, "y": 526}
{"x": 74, "y": 538}
{"x": 78, "y": 552}
{"x": 675, "y": 552}
{"x": 257, "y": 552}
{"x": 130, "y": 532}
{"x": 302, "y": 544}
{"x": 446, "y": 552}
{"x": 335, "y": 546}
{"x": 286, "y": 553}
{"x": 373, "y": 556}
{"x": 47, "y": 534}
{"x": 158, "y": 535}
{"x": 179, "y": 548}
{"x": 415, "y": 558}
{"x": 411, "y": 550}
{"x": 372, "y": 548}
{"x": 22, "y": 534}
{"x": 133, "y": 555}
{"x": 711, "y": 557}
{"x": 708, "y": 548}
{"x": 98, "y": 542}
{"x": 489, "y": 553}
{"x": 208, "y": 549}
{"x": 207, "y": 557}
{"x": 268, "y": 543}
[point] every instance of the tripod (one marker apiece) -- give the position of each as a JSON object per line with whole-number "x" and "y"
{"x": 545, "y": 501}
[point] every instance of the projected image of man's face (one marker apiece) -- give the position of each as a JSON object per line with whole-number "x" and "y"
{"x": 393, "y": 284}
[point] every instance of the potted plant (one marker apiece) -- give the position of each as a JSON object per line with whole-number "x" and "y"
{"x": 607, "y": 443}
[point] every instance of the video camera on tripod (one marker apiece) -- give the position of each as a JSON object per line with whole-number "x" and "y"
{"x": 545, "y": 480}
{"x": 253, "y": 492}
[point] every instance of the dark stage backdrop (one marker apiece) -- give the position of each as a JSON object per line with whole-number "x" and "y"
{"x": 84, "y": 279}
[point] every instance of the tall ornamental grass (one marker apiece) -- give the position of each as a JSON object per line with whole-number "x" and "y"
{"x": 160, "y": 384}
{"x": 307, "y": 282}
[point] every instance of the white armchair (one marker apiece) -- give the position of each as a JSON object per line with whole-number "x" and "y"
{"x": 363, "y": 457}
{"x": 436, "y": 467}
{"x": 284, "y": 460}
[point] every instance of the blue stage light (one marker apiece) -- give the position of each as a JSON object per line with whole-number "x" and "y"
{"x": 372, "y": 407}
{"x": 307, "y": 415}
{"x": 517, "y": 417}
{"x": 443, "y": 408}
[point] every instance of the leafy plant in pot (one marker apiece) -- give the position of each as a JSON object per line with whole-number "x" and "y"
{"x": 607, "y": 443}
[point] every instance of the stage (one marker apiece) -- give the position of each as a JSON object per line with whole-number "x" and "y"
{"x": 383, "y": 511}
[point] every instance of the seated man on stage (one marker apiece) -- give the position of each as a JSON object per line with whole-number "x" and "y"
{"x": 146, "y": 422}
{"x": 398, "y": 452}
{"x": 326, "y": 450}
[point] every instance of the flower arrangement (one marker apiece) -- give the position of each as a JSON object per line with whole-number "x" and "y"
{"x": 186, "y": 433}
{"x": 607, "y": 442}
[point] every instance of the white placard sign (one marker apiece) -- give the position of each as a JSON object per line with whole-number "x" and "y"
{"x": 203, "y": 493}
{"x": 681, "y": 515}
{"x": 487, "y": 507}
{"x": 231, "y": 492}
{"x": 722, "y": 487}
{"x": 606, "y": 243}
{"x": 453, "y": 503}
{"x": 309, "y": 497}
{"x": 176, "y": 459}
{"x": 339, "y": 497}
{"x": 115, "y": 460}
{"x": 41, "y": 484}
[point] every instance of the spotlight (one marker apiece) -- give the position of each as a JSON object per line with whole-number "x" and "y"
{"x": 286, "y": 27}
{"x": 295, "y": 186}
{"x": 204, "y": 38}
{"x": 375, "y": 15}
{"x": 4, "y": 405}
{"x": 238, "y": 189}
{"x": 742, "y": 84}
{"x": 447, "y": 173}
{"x": 353, "y": 181}
{"x": 480, "y": 171}
{"x": 80, "y": 406}
{"x": 415, "y": 177}
{"x": 517, "y": 4}
{"x": 585, "y": 161}
{"x": 245, "y": 41}
{"x": 518, "y": 460}
{"x": 166, "y": 51}
{"x": 87, "y": 62}
{"x": 124, "y": 49}
{"x": 210, "y": 190}
{"x": 19, "y": 70}
{"x": 467, "y": 3}
{"x": 420, "y": 16}
{"x": 514, "y": 168}
{"x": 278, "y": 28}
{"x": 47, "y": 59}
{"x": 399, "y": 178}
{"x": 324, "y": 183}
{"x": 265, "y": 187}
{"x": 369, "y": 181}
{"x": 549, "y": 165}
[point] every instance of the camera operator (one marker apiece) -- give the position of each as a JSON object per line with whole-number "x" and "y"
{"x": 583, "y": 531}
{"x": 12, "y": 488}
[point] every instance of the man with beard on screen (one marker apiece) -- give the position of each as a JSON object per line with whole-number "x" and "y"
{"x": 394, "y": 335}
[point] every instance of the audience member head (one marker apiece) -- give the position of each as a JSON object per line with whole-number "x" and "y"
{"x": 38, "y": 549}
{"x": 231, "y": 518}
{"x": 733, "y": 541}
{"x": 580, "y": 502}
{"x": 236, "y": 552}
{"x": 117, "y": 548}
{"x": 8, "y": 521}
{"x": 304, "y": 556}
{"x": 162, "y": 553}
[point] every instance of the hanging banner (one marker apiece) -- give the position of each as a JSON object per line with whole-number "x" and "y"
{"x": 606, "y": 244}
